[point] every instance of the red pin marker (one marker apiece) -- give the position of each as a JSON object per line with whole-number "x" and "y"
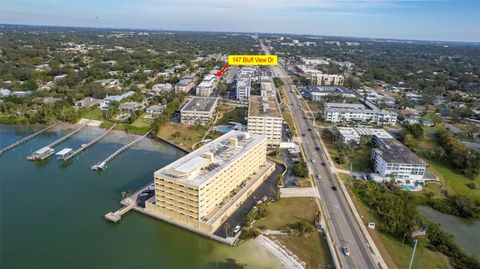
{"x": 219, "y": 73}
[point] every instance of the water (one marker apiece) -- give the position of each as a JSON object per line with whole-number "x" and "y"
{"x": 466, "y": 232}
{"x": 52, "y": 215}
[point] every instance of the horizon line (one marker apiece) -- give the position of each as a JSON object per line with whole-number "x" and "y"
{"x": 239, "y": 32}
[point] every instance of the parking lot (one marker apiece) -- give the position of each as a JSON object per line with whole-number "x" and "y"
{"x": 238, "y": 217}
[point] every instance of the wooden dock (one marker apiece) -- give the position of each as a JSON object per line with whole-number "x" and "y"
{"x": 56, "y": 142}
{"x": 67, "y": 136}
{"x": 102, "y": 165}
{"x": 25, "y": 139}
{"x": 117, "y": 215}
{"x": 83, "y": 147}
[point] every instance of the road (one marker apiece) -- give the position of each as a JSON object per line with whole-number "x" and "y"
{"x": 340, "y": 219}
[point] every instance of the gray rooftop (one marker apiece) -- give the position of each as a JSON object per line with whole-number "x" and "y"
{"x": 392, "y": 151}
{"x": 264, "y": 106}
{"x": 203, "y": 104}
{"x": 330, "y": 90}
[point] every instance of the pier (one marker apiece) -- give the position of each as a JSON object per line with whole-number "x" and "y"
{"x": 67, "y": 136}
{"x": 102, "y": 165}
{"x": 46, "y": 151}
{"x": 25, "y": 139}
{"x": 83, "y": 147}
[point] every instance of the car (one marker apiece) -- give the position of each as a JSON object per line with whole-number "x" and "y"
{"x": 317, "y": 148}
{"x": 143, "y": 194}
{"x": 291, "y": 104}
{"x": 323, "y": 164}
{"x": 334, "y": 188}
{"x": 310, "y": 129}
{"x": 304, "y": 118}
{"x": 345, "y": 251}
{"x": 313, "y": 160}
{"x": 303, "y": 134}
{"x": 319, "y": 177}
{"x": 264, "y": 198}
{"x": 259, "y": 202}
{"x": 236, "y": 229}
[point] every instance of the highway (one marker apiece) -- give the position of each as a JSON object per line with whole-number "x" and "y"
{"x": 339, "y": 218}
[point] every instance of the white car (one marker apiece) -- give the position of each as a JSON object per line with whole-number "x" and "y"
{"x": 319, "y": 177}
{"x": 313, "y": 160}
{"x": 237, "y": 229}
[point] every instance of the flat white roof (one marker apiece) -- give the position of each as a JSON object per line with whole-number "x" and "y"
{"x": 64, "y": 151}
{"x": 185, "y": 170}
{"x": 42, "y": 150}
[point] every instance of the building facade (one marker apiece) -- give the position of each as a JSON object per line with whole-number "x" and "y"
{"x": 201, "y": 189}
{"x": 206, "y": 87}
{"x": 265, "y": 118}
{"x": 199, "y": 110}
{"x": 393, "y": 160}
{"x": 341, "y": 112}
{"x": 326, "y": 79}
{"x": 243, "y": 89}
{"x": 185, "y": 84}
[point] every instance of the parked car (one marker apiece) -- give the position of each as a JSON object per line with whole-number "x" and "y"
{"x": 323, "y": 164}
{"x": 237, "y": 229}
{"x": 310, "y": 129}
{"x": 317, "y": 148}
{"x": 334, "y": 188}
{"x": 313, "y": 160}
{"x": 319, "y": 177}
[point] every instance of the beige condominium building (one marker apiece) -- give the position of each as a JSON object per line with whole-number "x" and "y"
{"x": 265, "y": 118}
{"x": 202, "y": 189}
{"x": 326, "y": 79}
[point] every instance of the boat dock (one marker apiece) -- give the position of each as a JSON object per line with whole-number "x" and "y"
{"x": 85, "y": 146}
{"x": 102, "y": 165}
{"x": 40, "y": 154}
{"x": 25, "y": 139}
{"x": 117, "y": 215}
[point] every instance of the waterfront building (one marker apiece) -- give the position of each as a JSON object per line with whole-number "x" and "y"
{"x": 265, "y": 118}
{"x": 392, "y": 159}
{"x": 199, "y": 110}
{"x": 202, "y": 189}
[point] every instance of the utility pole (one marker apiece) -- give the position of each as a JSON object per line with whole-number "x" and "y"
{"x": 413, "y": 254}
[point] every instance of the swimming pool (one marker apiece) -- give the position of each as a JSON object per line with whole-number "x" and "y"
{"x": 223, "y": 128}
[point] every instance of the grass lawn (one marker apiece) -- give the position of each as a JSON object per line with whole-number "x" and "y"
{"x": 289, "y": 119}
{"x": 359, "y": 158}
{"x": 93, "y": 114}
{"x": 237, "y": 115}
{"x": 288, "y": 211}
{"x": 182, "y": 135}
{"x": 304, "y": 182}
{"x": 141, "y": 122}
{"x": 394, "y": 252}
{"x": 311, "y": 249}
{"x": 315, "y": 106}
{"x": 454, "y": 181}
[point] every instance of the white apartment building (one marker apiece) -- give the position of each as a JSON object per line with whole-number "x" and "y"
{"x": 244, "y": 86}
{"x": 326, "y": 79}
{"x": 394, "y": 160}
{"x": 265, "y": 118}
{"x": 199, "y": 110}
{"x": 339, "y": 112}
{"x": 206, "y": 87}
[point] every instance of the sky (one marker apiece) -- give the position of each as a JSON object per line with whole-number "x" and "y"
{"x": 444, "y": 20}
